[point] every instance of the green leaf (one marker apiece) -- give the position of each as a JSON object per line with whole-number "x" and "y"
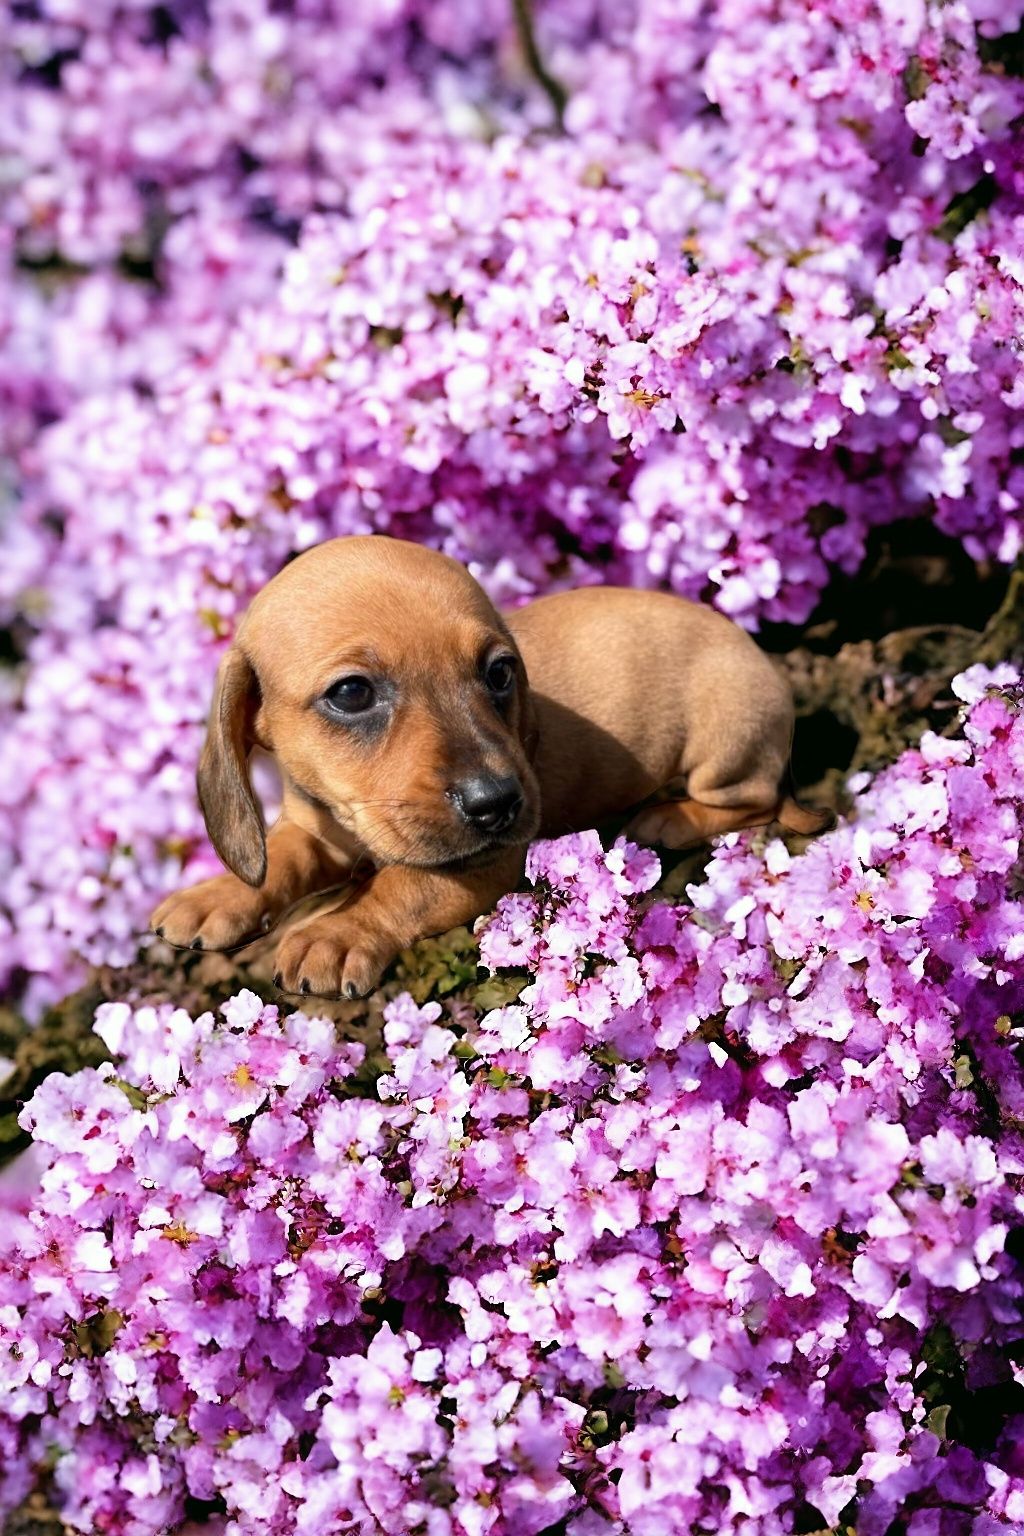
{"x": 915, "y": 78}
{"x": 785, "y": 967}
{"x": 10, "y": 1130}
{"x": 895, "y": 358}
{"x": 437, "y": 967}
{"x": 951, "y": 435}
{"x": 497, "y": 992}
{"x": 964, "y": 1075}
{"x": 965, "y": 207}
{"x": 945, "y": 1366}
{"x": 135, "y": 1096}
{"x": 607, "y": 1056}
{"x": 95, "y": 1335}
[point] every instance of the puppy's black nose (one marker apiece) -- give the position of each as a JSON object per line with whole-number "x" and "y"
{"x": 487, "y": 802}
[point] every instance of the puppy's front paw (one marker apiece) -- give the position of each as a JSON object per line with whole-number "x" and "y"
{"x": 217, "y": 914}
{"x": 336, "y": 955}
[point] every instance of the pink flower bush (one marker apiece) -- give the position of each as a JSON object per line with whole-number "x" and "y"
{"x": 716, "y": 1227}
{"x": 711, "y": 1230}
{"x": 277, "y": 273}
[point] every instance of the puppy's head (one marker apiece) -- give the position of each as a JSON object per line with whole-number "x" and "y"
{"x": 391, "y": 693}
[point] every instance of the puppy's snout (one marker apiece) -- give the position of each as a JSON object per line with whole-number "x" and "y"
{"x": 487, "y": 802}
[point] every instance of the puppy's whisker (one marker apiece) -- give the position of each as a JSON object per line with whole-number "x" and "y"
{"x": 411, "y": 809}
{"x": 390, "y": 850}
{"x": 415, "y": 842}
{"x": 383, "y": 804}
{"x": 353, "y": 807}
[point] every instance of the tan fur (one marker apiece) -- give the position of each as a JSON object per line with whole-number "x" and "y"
{"x": 620, "y": 696}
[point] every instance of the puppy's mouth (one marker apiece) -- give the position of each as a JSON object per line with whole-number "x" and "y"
{"x": 448, "y": 848}
{"x": 521, "y": 831}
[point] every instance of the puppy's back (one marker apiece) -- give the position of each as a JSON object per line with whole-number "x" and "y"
{"x": 636, "y": 689}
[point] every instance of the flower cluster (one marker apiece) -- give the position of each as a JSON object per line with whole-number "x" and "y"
{"x": 279, "y": 273}
{"x": 710, "y": 1229}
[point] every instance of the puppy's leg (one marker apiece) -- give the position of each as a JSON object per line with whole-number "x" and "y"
{"x": 683, "y": 823}
{"x": 224, "y": 912}
{"x": 344, "y": 952}
{"x": 710, "y": 808}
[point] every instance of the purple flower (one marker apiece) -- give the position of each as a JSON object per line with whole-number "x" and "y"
{"x": 698, "y": 1232}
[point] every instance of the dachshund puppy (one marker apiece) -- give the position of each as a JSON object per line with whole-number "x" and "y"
{"x": 424, "y": 736}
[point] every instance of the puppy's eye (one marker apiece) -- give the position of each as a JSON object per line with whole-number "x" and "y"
{"x": 351, "y": 696}
{"x": 500, "y": 676}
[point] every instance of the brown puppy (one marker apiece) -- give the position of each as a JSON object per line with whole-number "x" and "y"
{"x": 425, "y": 736}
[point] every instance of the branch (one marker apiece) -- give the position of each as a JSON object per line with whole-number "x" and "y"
{"x": 552, "y": 88}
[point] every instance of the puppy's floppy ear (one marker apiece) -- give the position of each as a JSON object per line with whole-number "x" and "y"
{"x": 230, "y": 809}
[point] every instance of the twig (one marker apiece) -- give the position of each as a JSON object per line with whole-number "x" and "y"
{"x": 1003, "y": 639}
{"x": 552, "y": 88}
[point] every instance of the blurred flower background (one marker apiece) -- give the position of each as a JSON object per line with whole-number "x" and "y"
{"x": 699, "y": 295}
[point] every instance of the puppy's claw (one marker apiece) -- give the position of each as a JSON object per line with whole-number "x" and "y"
{"x": 278, "y": 979}
{"x": 196, "y": 944}
{"x": 159, "y": 932}
{"x": 304, "y": 986}
{"x": 350, "y": 990}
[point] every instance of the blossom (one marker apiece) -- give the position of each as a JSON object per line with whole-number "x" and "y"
{"x": 714, "y": 1226}
{"x": 341, "y": 280}
{"x": 711, "y": 1225}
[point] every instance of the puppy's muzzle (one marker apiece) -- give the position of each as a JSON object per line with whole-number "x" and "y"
{"x": 488, "y": 803}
